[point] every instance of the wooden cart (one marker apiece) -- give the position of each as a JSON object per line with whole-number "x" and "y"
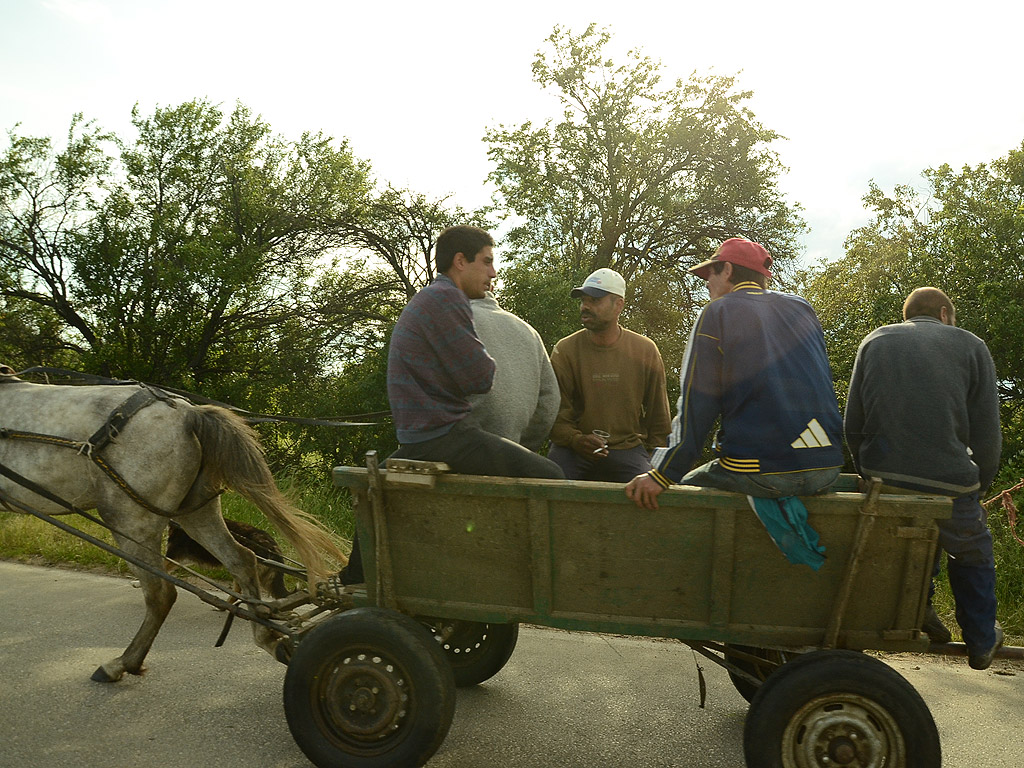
{"x": 455, "y": 562}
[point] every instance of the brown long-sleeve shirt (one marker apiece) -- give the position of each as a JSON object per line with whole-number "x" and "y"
{"x": 619, "y": 388}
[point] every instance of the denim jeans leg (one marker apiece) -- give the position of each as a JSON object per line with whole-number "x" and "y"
{"x": 772, "y": 486}
{"x": 974, "y": 592}
{"x": 971, "y": 567}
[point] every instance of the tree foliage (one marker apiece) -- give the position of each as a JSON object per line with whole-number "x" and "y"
{"x": 635, "y": 175}
{"x": 190, "y": 257}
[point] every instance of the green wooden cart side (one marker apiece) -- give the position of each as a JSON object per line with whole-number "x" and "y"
{"x": 581, "y": 556}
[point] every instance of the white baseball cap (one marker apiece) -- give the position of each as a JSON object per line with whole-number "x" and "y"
{"x": 600, "y": 282}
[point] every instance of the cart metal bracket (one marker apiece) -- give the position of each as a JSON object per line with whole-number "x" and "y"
{"x": 416, "y": 473}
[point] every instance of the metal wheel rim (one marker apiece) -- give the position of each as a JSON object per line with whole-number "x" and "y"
{"x": 460, "y": 638}
{"x": 843, "y": 729}
{"x": 362, "y": 699}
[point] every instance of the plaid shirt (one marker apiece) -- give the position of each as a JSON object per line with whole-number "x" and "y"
{"x": 435, "y": 361}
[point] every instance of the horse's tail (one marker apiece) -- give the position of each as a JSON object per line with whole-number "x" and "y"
{"x": 233, "y": 458}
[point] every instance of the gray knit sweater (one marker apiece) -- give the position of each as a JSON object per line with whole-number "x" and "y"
{"x": 923, "y": 411}
{"x": 524, "y": 398}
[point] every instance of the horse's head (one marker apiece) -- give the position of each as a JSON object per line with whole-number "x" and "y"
{"x": 6, "y": 370}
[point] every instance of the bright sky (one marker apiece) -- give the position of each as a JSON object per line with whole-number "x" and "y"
{"x": 879, "y": 91}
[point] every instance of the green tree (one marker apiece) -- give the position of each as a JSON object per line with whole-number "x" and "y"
{"x": 885, "y": 260}
{"x": 48, "y": 202}
{"x": 195, "y": 263}
{"x": 636, "y": 175}
{"x": 397, "y": 234}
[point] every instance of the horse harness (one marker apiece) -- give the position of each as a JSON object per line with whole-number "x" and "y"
{"x": 93, "y": 447}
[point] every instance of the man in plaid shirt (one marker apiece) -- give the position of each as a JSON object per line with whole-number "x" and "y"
{"x": 436, "y": 361}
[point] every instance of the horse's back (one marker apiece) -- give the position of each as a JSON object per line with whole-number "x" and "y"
{"x": 153, "y": 451}
{"x": 77, "y": 412}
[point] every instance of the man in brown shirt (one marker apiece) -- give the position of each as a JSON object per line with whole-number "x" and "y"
{"x": 612, "y": 380}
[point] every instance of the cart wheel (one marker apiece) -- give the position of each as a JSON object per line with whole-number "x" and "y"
{"x": 475, "y": 650}
{"x": 832, "y": 708}
{"x": 369, "y": 688}
{"x": 773, "y": 659}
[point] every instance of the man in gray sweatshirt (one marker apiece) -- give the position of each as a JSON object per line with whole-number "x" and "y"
{"x": 524, "y": 398}
{"x": 923, "y": 414}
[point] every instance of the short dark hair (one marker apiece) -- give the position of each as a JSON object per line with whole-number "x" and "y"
{"x": 464, "y": 239}
{"x": 740, "y": 274}
{"x": 927, "y": 301}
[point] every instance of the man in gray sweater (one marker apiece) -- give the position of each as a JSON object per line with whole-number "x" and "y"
{"x": 923, "y": 414}
{"x": 523, "y": 400}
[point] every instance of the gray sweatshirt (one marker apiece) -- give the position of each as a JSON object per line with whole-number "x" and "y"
{"x": 923, "y": 410}
{"x": 524, "y": 398}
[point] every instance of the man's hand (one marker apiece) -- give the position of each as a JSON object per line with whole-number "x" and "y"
{"x": 590, "y": 447}
{"x": 644, "y": 491}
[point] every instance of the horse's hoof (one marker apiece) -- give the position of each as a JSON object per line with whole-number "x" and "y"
{"x": 101, "y": 676}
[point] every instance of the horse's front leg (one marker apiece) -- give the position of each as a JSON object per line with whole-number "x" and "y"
{"x": 159, "y": 596}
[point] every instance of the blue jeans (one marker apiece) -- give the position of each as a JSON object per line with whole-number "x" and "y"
{"x": 967, "y": 541}
{"x": 619, "y": 466}
{"x": 770, "y": 486}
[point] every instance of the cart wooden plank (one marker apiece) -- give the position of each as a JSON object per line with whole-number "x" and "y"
{"x": 581, "y": 556}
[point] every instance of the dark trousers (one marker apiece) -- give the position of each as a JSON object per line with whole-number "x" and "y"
{"x": 967, "y": 541}
{"x": 468, "y": 450}
{"x": 619, "y": 466}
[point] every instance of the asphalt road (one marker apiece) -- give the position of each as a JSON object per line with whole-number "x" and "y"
{"x": 565, "y": 699}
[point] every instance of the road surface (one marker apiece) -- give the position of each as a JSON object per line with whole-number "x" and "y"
{"x": 569, "y": 700}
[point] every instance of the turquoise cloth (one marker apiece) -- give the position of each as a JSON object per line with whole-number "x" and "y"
{"x": 785, "y": 519}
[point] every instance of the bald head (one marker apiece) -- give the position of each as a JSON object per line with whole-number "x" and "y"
{"x": 931, "y": 302}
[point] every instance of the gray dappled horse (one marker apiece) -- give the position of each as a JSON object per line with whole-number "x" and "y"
{"x": 173, "y": 460}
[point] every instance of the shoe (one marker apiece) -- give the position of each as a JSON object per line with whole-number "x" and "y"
{"x": 984, "y": 660}
{"x": 937, "y": 631}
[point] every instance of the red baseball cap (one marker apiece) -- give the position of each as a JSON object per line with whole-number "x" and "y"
{"x": 737, "y": 251}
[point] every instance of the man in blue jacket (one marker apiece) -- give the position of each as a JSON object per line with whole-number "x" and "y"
{"x": 923, "y": 414}
{"x": 756, "y": 358}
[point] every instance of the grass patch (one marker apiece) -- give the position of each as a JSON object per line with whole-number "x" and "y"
{"x": 30, "y": 540}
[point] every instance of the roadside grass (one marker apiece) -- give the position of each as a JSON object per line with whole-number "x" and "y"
{"x": 1009, "y": 555}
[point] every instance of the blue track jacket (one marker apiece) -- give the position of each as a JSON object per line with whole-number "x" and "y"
{"x": 757, "y": 358}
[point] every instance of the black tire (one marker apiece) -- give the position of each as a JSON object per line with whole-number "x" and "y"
{"x": 839, "y": 708}
{"x": 476, "y": 651}
{"x": 772, "y": 660}
{"x": 369, "y": 688}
